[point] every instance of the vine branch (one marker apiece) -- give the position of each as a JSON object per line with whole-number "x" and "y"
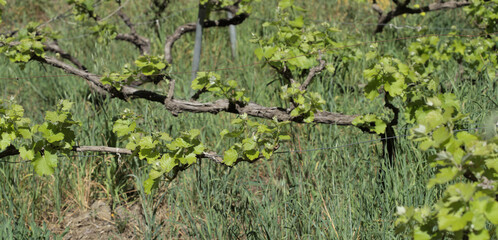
{"x": 176, "y": 106}
{"x": 190, "y": 27}
{"x": 402, "y": 8}
{"x": 314, "y": 71}
{"x": 55, "y": 48}
{"x": 142, "y": 43}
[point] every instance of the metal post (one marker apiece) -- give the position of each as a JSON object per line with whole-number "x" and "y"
{"x": 198, "y": 40}
{"x": 233, "y": 37}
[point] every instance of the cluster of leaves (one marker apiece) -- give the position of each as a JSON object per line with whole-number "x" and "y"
{"x": 162, "y": 152}
{"x": 211, "y": 82}
{"x": 295, "y": 45}
{"x": 83, "y": 9}
{"x": 485, "y": 13}
{"x": 398, "y": 81}
{"x": 478, "y": 54}
{"x": 39, "y": 143}
{"x": 293, "y": 50}
{"x": 425, "y": 49}
{"x": 307, "y": 103}
{"x": 413, "y": 82}
{"x": 431, "y": 53}
{"x": 372, "y": 122}
{"x": 467, "y": 163}
{"x": 145, "y": 65}
{"x": 13, "y": 125}
{"x": 253, "y": 139}
{"x": 390, "y": 74}
{"x": 24, "y": 45}
{"x": 467, "y": 207}
{"x": 42, "y": 144}
{"x": 104, "y": 32}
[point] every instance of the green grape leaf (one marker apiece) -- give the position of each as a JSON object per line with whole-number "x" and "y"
{"x": 380, "y": 126}
{"x": 284, "y": 137}
{"x": 249, "y": 144}
{"x": 491, "y": 211}
{"x": 441, "y": 135}
{"x": 155, "y": 174}
{"x": 283, "y": 4}
{"x": 179, "y": 143}
{"x": 309, "y": 118}
{"x": 150, "y": 184}
{"x": 191, "y": 158}
{"x": 148, "y": 70}
{"x": 295, "y": 112}
{"x": 25, "y": 133}
{"x": 132, "y": 145}
{"x": 167, "y": 163}
{"x": 66, "y": 105}
{"x": 230, "y": 156}
{"x": 267, "y": 153}
{"x": 48, "y": 133}
{"x": 193, "y": 133}
{"x": 45, "y": 164}
{"x": 433, "y": 119}
{"x": 453, "y": 221}
{"x": 492, "y": 163}
{"x": 395, "y": 88}
{"x": 252, "y": 154}
{"x": 297, "y": 23}
{"x": 371, "y": 89}
{"x": 224, "y": 132}
{"x": 259, "y": 53}
{"x": 123, "y": 127}
{"x": 269, "y": 51}
{"x": 443, "y": 176}
{"x": 199, "y": 149}
{"x": 26, "y": 154}
{"x": 330, "y": 68}
{"x": 149, "y": 154}
{"x": 55, "y": 117}
{"x": 426, "y": 145}
{"x": 237, "y": 121}
{"x": 301, "y": 62}
{"x": 147, "y": 143}
{"x": 483, "y": 234}
{"x": 55, "y": 138}
{"x": 418, "y": 234}
{"x": 165, "y": 137}
{"x": 5, "y": 142}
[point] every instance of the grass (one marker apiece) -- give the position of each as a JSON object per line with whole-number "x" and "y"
{"x": 326, "y": 194}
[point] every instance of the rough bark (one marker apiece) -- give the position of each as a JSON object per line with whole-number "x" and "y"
{"x": 142, "y": 43}
{"x": 402, "y": 8}
{"x": 176, "y": 106}
{"x": 55, "y": 48}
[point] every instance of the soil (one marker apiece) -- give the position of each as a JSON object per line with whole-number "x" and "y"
{"x": 99, "y": 222}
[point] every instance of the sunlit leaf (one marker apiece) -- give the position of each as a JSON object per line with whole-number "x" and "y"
{"x": 230, "y": 156}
